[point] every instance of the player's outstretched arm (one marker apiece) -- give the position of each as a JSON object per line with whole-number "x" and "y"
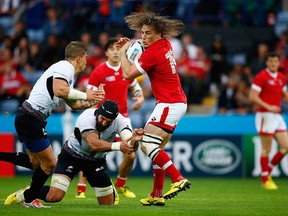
{"x": 88, "y": 99}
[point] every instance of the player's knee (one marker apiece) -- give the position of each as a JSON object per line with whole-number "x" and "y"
{"x": 265, "y": 152}
{"x": 284, "y": 150}
{"x": 35, "y": 162}
{"x": 54, "y": 197}
{"x": 58, "y": 189}
{"x": 103, "y": 191}
{"x": 49, "y": 167}
{"x": 150, "y": 145}
{"x": 130, "y": 157}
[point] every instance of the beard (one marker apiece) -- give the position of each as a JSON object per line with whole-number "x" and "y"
{"x": 100, "y": 127}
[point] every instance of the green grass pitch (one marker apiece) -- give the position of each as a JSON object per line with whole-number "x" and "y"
{"x": 207, "y": 196}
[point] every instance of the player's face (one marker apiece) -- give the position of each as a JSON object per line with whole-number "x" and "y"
{"x": 149, "y": 35}
{"x": 103, "y": 123}
{"x": 113, "y": 55}
{"x": 82, "y": 62}
{"x": 273, "y": 64}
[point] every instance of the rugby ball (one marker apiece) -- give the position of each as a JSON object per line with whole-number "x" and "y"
{"x": 135, "y": 50}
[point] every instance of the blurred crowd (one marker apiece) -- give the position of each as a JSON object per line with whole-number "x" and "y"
{"x": 34, "y": 34}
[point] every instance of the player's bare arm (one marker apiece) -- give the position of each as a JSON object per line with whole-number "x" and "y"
{"x": 80, "y": 104}
{"x": 254, "y": 98}
{"x": 137, "y": 92}
{"x": 62, "y": 90}
{"x": 92, "y": 139}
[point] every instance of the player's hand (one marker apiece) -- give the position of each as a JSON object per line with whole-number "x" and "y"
{"x": 137, "y": 136}
{"x": 139, "y": 101}
{"x": 97, "y": 95}
{"x": 121, "y": 42}
{"x": 274, "y": 109}
{"x": 125, "y": 147}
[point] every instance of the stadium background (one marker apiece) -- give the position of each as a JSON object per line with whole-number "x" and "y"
{"x": 205, "y": 144}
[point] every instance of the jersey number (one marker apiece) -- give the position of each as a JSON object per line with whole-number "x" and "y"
{"x": 170, "y": 57}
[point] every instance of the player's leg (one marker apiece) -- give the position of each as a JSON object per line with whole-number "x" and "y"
{"x": 58, "y": 188}
{"x": 282, "y": 140}
{"x": 266, "y": 125}
{"x": 47, "y": 164}
{"x": 123, "y": 172}
{"x": 66, "y": 169}
{"x": 266, "y": 142}
{"x": 18, "y": 158}
{"x": 157, "y": 134}
{"x": 281, "y": 137}
{"x": 29, "y": 194}
{"x": 81, "y": 186}
{"x": 96, "y": 173}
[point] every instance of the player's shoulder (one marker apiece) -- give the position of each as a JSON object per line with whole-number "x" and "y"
{"x": 262, "y": 74}
{"x": 90, "y": 112}
{"x": 99, "y": 69}
{"x": 281, "y": 75}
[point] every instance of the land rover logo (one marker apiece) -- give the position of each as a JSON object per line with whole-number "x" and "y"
{"x": 217, "y": 156}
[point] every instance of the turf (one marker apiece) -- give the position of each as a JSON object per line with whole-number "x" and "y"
{"x": 207, "y": 196}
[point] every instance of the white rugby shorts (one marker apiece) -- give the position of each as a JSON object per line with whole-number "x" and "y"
{"x": 269, "y": 123}
{"x": 167, "y": 115}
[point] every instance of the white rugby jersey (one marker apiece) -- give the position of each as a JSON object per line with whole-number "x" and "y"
{"x": 42, "y": 97}
{"x": 87, "y": 121}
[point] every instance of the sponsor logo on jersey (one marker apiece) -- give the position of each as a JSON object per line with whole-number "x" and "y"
{"x": 217, "y": 156}
{"x": 110, "y": 78}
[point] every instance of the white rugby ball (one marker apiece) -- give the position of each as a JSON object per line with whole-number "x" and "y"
{"x": 135, "y": 50}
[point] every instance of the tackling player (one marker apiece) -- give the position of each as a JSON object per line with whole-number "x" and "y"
{"x": 86, "y": 150}
{"x": 30, "y": 121}
{"x": 116, "y": 88}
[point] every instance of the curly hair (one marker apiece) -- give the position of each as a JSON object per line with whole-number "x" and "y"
{"x": 161, "y": 24}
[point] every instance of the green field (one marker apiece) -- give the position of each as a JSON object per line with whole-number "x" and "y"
{"x": 207, "y": 196}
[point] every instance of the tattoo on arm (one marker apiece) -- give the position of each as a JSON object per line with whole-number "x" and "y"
{"x": 86, "y": 104}
{"x": 80, "y": 104}
{"x": 86, "y": 133}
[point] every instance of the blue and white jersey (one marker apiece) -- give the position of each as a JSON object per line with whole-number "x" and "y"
{"x": 87, "y": 121}
{"x": 42, "y": 97}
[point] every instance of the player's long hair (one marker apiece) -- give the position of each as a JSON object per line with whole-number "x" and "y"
{"x": 161, "y": 24}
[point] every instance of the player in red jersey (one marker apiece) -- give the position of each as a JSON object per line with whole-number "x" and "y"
{"x": 159, "y": 63}
{"x": 267, "y": 91}
{"x": 116, "y": 87}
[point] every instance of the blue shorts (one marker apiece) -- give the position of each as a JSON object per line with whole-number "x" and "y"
{"x": 31, "y": 130}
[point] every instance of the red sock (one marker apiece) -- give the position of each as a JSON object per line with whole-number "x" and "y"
{"x": 163, "y": 161}
{"x": 264, "y": 166}
{"x": 120, "y": 182}
{"x": 159, "y": 178}
{"x": 276, "y": 160}
{"x": 81, "y": 188}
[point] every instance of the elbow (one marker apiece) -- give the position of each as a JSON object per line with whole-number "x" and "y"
{"x": 60, "y": 93}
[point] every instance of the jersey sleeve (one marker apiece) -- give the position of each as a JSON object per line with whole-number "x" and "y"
{"x": 64, "y": 72}
{"x": 145, "y": 62}
{"x": 258, "y": 83}
{"x": 86, "y": 121}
